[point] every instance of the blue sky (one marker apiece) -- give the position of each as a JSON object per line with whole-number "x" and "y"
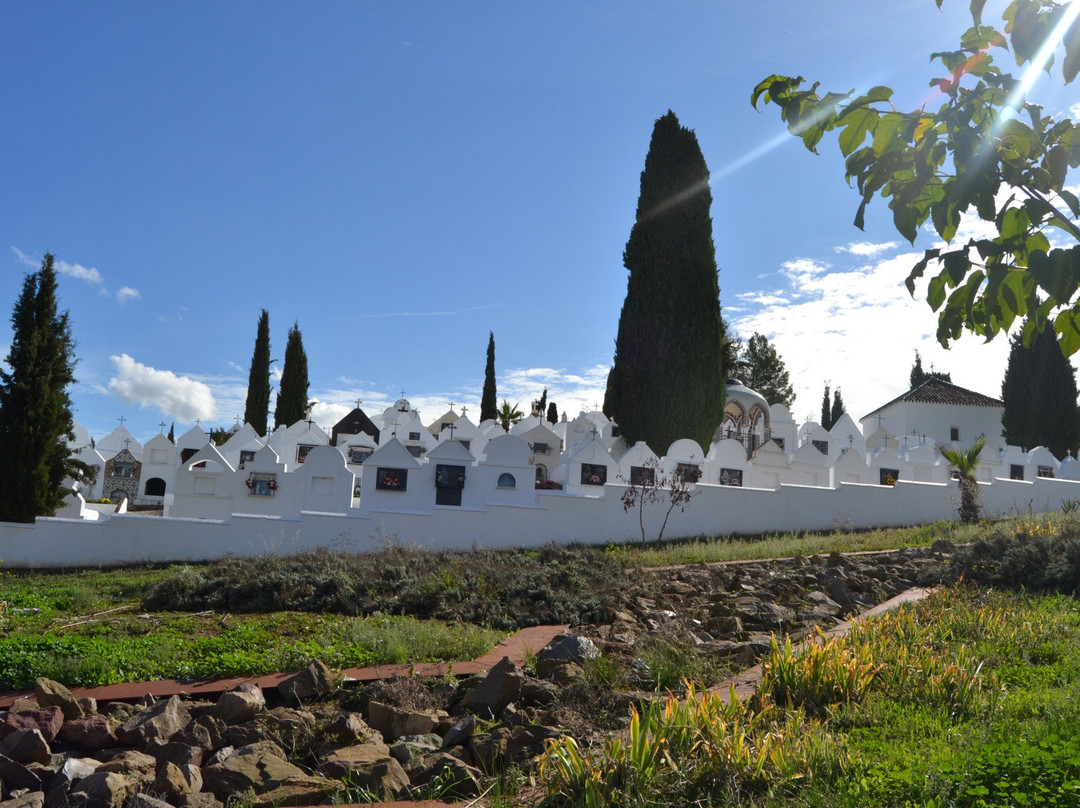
{"x": 399, "y": 178}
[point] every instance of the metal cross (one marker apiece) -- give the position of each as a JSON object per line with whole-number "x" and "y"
{"x": 162, "y": 425}
{"x": 122, "y": 420}
{"x": 358, "y": 403}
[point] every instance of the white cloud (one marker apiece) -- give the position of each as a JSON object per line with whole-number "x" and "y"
{"x": 126, "y": 293}
{"x": 865, "y": 248}
{"x": 179, "y": 396}
{"x": 857, "y": 328}
{"x": 88, "y": 274}
{"x": 1074, "y": 111}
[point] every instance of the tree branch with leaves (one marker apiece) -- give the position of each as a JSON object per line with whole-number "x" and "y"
{"x": 987, "y": 150}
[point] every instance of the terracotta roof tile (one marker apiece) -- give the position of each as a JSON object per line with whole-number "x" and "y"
{"x": 936, "y": 391}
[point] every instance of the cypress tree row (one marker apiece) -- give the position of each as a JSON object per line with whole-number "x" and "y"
{"x": 1039, "y": 393}
{"x": 489, "y": 409}
{"x": 257, "y": 407}
{"x": 35, "y": 408}
{"x": 826, "y": 410}
{"x": 667, "y": 380}
{"x": 292, "y": 399}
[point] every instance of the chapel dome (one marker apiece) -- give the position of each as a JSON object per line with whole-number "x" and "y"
{"x": 744, "y": 396}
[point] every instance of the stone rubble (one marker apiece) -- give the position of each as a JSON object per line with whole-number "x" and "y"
{"x": 313, "y": 740}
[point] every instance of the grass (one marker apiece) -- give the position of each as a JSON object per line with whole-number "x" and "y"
{"x": 968, "y": 698}
{"x": 87, "y": 628}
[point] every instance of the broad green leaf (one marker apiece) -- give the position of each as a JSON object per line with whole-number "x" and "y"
{"x": 1057, "y": 164}
{"x": 1056, "y": 272}
{"x": 976, "y": 10}
{"x": 957, "y": 264}
{"x": 919, "y": 268}
{"x": 1071, "y": 66}
{"x": 935, "y": 292}
{"x": 1067, "y": 326}
{"x": 856, "y": 125}
{"x": 1070, "y": 199}
{"x": 886, "y": 127}
{"x": 906, "y": 220}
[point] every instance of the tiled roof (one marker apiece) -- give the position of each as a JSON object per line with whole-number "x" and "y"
{"x": 936, "y": 391}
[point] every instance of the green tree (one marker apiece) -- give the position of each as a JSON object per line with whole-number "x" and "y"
{"x": 508, "y": 414}
{"x": 762, "y": 369}
{"x": 964, "y": 462}
{"x": 540, "y": 405}
{"x": 488, "y": 409}
{"x": 292, "y": 398}
{"x": 918, "y": 375}
{"x": 35, "y": 409}
{"x": 837, "y": 408}
{"x": 667, "y": 379}
{"x": 172, "y": 433}
{"x": 552, "y": 413}
{"x": 257, "y": 407}
{"x": 826, "y": 409}
{"x": 1039, "y": 393}
{"x": 985, "y": 149}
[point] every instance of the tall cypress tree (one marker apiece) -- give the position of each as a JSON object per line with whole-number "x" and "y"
{"x": 837, "y": 408}
{"x": 489, "y": 409}
{"x": 1039, "y": 393}
{"x": 292, "y": 399}
{"x": 35, "y": 408}
{"x": 257, "y": 407}
{"x": 667, "y": 380}
{"x": 826, "y": 410}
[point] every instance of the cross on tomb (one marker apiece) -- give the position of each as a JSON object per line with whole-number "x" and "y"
{"x": 850, "y": 440}
{"x": 127, "y": 442}
{"x": 464, "y": 410}
{"x": 162, "y": 425}
{"x": 358, "y": 403}
{"x": 122, "y": 420}
{"x": 451, "y": 428}
{"x": 198, "y": 421}
{"x": 394, "y": 424}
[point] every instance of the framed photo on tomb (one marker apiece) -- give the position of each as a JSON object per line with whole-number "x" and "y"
{"x": 390, "y": 479}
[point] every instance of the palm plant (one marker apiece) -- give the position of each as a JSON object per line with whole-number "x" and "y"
{"x": 508, "y": 415}
{"x": 964, "y": 462}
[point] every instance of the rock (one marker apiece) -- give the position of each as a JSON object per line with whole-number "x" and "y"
{"x": 159, "y": 722}
{"x": 256, "y": 767}
{"x": 456, "y": 779}
{"x": 394, "y": 722}
{"x": 567, "y": 673}
{"x": 341, "y": 762}
{"x": 501, "y": 686}
{"x": 53, "y": 694}
{"x": 461, "y": 732}
{"x": 760, "y": 614}
{"x": 530, "y": 742}
{"x": 568, "y": 648}
{"x": 26, "y": 746}
{"x": 205, "y": 732}
{"x": 536, "y": 693}
{"x": 102, "y": 790}
{"x": 46, "y": 720}
{"x": 31, "y": 799}
{"x": 180, "y": 754}
{"x": 132, "y": 762}
{"x": 489, "y": 749}
{"x": 297, "y": 791}
{"x": 87, "y": 704}
{"x": 202, "y": 799}
{"x": 381, "y": 776}
{"x": 239, "y": 705}
{"x": 15, "y": 775}
{"x": 92, "y": 732}
{"x": 349, "y": 727}
{"x": 315, "y": 682}
{"x": 146, "y": 801}
{"x": 176, "y": 782}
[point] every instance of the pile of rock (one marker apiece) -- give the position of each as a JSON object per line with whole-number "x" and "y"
{"x": 56, "y": 750}
{"x": 731, "y": 611}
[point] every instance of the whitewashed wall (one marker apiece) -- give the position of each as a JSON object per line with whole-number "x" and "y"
{"x": 558, "y": 517}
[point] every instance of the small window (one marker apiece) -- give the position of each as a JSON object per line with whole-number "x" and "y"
{"x": 387, "y": 479}
{"x": 302, "y": 450}
{"x": 954, "y": 433}
{"x": 540, "y": 448}
{"x": 414, "y": 436}
{"x": 616, "y": 431}
{"x": 821, "y": 445}
{"x": 415, "y": 451}
{"x": 1046, "y": 471}
{"x": 465, "y": 443}
{"x": 888, "y": 476}
{"x": 642, "y": 475}
{"x": 506, "y": 480}
{"x": 541, "y": 473}
{"x": 125, "y": 470}
{"x": 731, "y": 477}
{"x": 187, "y": 454}
{"x": 261, "y": 485}
{"x": 1016, "y": 472}
{"x": 593, "y": 474}
{"x": 779, "y": 442}
{"x": 688, "y": 472}
{"x": 246, "y": 456}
